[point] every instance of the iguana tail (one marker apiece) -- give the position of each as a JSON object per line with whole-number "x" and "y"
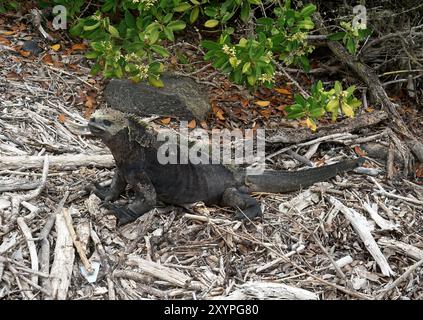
{"x": 285, "y": 181}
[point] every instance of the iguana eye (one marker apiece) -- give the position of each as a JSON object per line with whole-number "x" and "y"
{"x": 107, "y": 123}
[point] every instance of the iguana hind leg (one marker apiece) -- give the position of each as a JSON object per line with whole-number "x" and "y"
{"x": 145, "y": 200}
{"x": 116, "y": 188}
{"x": 247, "y": 206}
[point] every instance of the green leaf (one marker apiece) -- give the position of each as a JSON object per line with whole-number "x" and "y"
{"x": 153, "y": 36}
{"x": 176, "y": 25}
{"x": 246, "y": 67}
{"x": 160, "y": 50}
{"x": 169, "y": 33}
{"x": 338, "y": 87}
{"x": 351, "y": 47}
{"x": 155, "y": 82}
{"x": 355, "y": 103}
{"x": 91, "y": 27}
{"x": 210, "y": 45}
{"x": 308, "y": 10}
{"x": 194, "y": 14}
{"x": 92, "y": 55}
{"x": 76, "y": 30}
{"x": 251, "y": 80}
{"x": 347, "y": 110}
{"x": 306, "y": 24}
{"x": 333, "y": 105}
{"x": 182, "y": 7}
{"x": 130, "y": 20}
{"x": 336, "y": 36}
{"x": 350, "y": 91}
{"x": 211, "y": 23}
{"x": 245, "y": 12}
{"x": 113, "y": 31}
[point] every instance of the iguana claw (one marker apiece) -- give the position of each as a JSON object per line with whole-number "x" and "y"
{"x": 122, "y": 214}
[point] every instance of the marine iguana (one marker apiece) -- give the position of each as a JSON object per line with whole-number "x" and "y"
{"x": 134, "y": 147}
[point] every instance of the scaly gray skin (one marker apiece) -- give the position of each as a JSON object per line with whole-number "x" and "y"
{"x": 134, "y": 149}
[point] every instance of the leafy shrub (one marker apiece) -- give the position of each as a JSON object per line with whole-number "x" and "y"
{"x": 251, "y": 61}
{"x": 127, "y": 37}
{"x": 350, "y": 36}
{"x": 6, "y": 5}
{"x": 334, "y": 101}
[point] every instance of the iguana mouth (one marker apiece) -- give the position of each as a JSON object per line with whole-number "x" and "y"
{"x": 95, "y": 127}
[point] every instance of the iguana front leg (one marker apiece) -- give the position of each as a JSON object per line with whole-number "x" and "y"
{"x": 116, "y": 188}
{"x": 246, "y": 205}
{"x": 145, "y": 200}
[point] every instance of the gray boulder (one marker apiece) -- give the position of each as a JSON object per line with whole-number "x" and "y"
{"x": 180, "y": 97}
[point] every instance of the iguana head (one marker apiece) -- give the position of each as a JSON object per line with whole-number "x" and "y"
{"x": 107, "y": 123}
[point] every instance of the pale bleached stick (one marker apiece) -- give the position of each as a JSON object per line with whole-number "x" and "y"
{"x": 76, "y": 241}
{"x": 401, "y": 247}
{"x": 394, "y": 196}
{"x": 384, "y": 224}
{"x": 16, "y": 200}
{"x": 64, "y": 256}
{"x": 363, "y": 229}
{"x": 270, "y": 290}
{"x": 62, "y": 162}
{"x": 167, "y": 274}
{"x": 31, "y": 247}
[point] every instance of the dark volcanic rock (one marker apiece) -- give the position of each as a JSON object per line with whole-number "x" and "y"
{"x": 181, "y": 97}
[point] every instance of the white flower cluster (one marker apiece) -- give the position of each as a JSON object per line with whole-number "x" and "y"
{"x": 147, "y": 3}
{"x": 228, "y": 50}
{"x": 233, "y": 60}
{"x": 143, "y": 70}
{"x": 266, "y": 77}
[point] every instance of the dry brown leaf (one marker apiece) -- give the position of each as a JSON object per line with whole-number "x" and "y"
{"x": 204, "y": 125}
{"x": 48, "y": 59}
{"x": 192, "y": 124}
{"x": 13, "y": 75}
{"x": 24, "y": 53}
{"x": 262, "y": 103}
{"x": 245, "y": 102}
{"x": 266, "y": 113}
{"x": 7, "y": 33}
{"x": 78, "y": 47}
{"x": 165, "y": 120}
{"x": 61, "y": 117}
{"x": 283, "y": 91}
{"x": 4, "y": 41}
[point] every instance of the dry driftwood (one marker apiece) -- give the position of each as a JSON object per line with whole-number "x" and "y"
{"x": 64, "y": 255}
{"x": 161, "y": 272}
{"x": 384, "y": 224}
{"x": 62, "y": 162}
{"x": 401, "y": 247}
{"x": 76, "y": 242}
{"x": 18, "y": 185}
{"x": 362, "y": 227}
{"x": 270, "y": 290}
{"x": 31, "y": 247}
{"x": 304, "y": 134}
{"x": 17, "y": 199}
